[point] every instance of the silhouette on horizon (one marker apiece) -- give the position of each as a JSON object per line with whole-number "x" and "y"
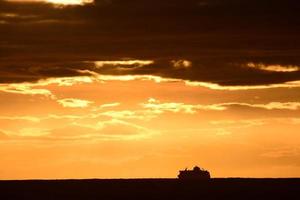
{"x": 196, "y": 174}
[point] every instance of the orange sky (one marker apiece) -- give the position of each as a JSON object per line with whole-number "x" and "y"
{"x": 141, "y": 128}
{"x": 142, "y": 89}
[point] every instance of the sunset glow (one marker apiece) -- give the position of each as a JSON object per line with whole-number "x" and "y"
{"x": 58, "y": 2}
{"x": 142, "y": 89}
{"x": 70, "y": 2}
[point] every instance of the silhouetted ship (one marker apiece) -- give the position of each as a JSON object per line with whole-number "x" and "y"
{"x": 196, "y": 174}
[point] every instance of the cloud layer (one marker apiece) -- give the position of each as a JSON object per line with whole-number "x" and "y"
{"x": 205, "y": 41}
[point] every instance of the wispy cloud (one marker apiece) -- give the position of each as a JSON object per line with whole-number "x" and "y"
{"x": 74, "y": 103}
{"x": 26, "y": 118}
{"x": 106, "y": 106}
{"x": 25, "y": 89}
{"x": 35, "y": 88}
{"x": 215, "y": 86}
{"x": 138, "y": 63}
{"x": 268, "y": 106}
{"x": 131, "y": 114}
{"x": 113, "y": 129}
{"x": 274, "y": 68}
{"x": 58, "y": 2}
{"x": 159, "y": 107}
{"x": 109, "y": 105}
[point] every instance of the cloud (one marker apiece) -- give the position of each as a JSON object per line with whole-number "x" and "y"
{"x": 268, "y": 106}
{"x": 274, "y": 68}
{"x": 156, "y": 79}
{"x": 153, "y": 108}
{"x": 104, "y": 130}
{"x": 159, "y": 107}
{"x": 131, "y": 114}
{"x": 124, "y": 63}
{"x": 106, "y": 106}
{"x": 247, "y": 123}
{"x": 234, "y": 124}
{"x": 214, "y": 86}
{"x": 218, "y": 47}
{"x": 33, "y": 132}
{"x": 74, "y": 103}
{"x": 26, "y": 118}
{"x": 25, "y": 89}
{"x": 181, "y": 64}
{"x": 109, "y": 105}
{"x": 58, "y": 2}
{"x": 34, "y": 88}
{"x": 122, "y": 128}
{"x": 87, "y": 76}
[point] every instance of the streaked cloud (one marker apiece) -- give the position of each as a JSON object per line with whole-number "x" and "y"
{"x": 132, "y": 114}
{"x": 159, "y": 107}
{"x": 214, "y": 86}
{"x": 9, "y": 15}
{"x": 122, "y": 128}
{"x": 122, "y": 114}
{"x": 58, "y": 2}
{"x": 103, "y": 130}
{"x": 34, "y": 88}
{"x": 33, "y": 132}
{"x": 274, "y": 68}
{"x": 70, "y": 2}
{"x": 108, "y": 105}
{"x": 25, "y": 88}
{"x": 15, "y": 15}
{"x": 74, "y": 103}
{"x": 268, "y": 106}
{"x": 156, "y": 79}
{"x": 137, "y": 63}
{"x": 64, "y": 81}
{"x": 26, "y": 118}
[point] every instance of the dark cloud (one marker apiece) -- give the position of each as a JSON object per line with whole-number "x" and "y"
{"x": 39, "y": 40}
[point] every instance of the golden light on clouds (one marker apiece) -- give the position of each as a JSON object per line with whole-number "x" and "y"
{"x": 24, "y": 88}
{"x": 175, "y": 107}
{"x": 144, "y": 129}
{"x": 109, "y": 105}
{"x": 74, "y": 103}
{"x": 215, "y": 86}
{"x": 274, "y": 68}
{"x": 140, "y": 88}
{"x": 58, "y": 2}
{"x": 70, "y": 2}
{"x": 181, "y": 64}
{"x": 139, "y": 63}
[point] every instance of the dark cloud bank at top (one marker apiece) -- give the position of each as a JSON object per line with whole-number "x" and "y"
{"x": 219, "y": 37}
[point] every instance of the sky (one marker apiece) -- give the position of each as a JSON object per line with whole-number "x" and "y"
{"x": 142, "y": 89}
